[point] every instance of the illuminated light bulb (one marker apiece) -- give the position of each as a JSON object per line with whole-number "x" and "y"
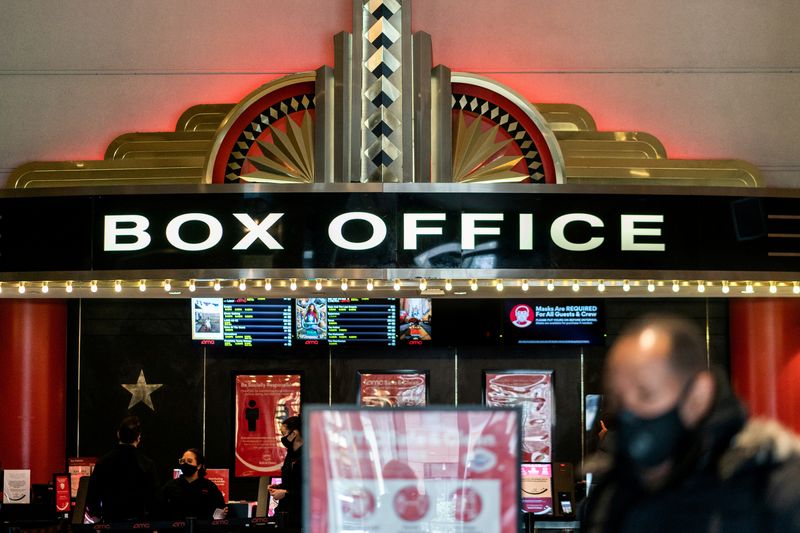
{"x": 726, "y": 288}
{"x": 1, "y": 288}
{"x": 293, "y": 285}
{"x": 217, "y": 285}
{"x": 192, "y": 285}
{"x": 370, "y": 284}
{"x": 423, "y": 284}
{"x": 525, "y": 285}
{"x": 749, "y": 288}
{"x": 93, "y": 286}
{"x": 499, "y": 285}
{"x": 676, "y": 287}
{"x": 773, "y": 287}
{"x": 69, "y": 287}
{"x": 651, "y": 287}
{"x": 167, "y": 285}
{"x": 550, "y": 285}
{"x": 318, "y": 285}
{"x": 344, "y": 284}
{"x": 448, "y": 285}
{"x": 796, "y": 288}
{"x": 45, "y": 287}
{"x": 117, "y": 286}
{"x": 142, "y": 286}
{"x": 267, "y": 284}
{"x": 626, "y": 286}
{"x": 701, "y": 286}
{"x": 396, "y": 285}
{"x": 601, "y": 286}
{"x": 576, "y": 286}
{"x": 473, "y": 285}
{"x": 21, "y": 288}
{"x": 242, "y": 285}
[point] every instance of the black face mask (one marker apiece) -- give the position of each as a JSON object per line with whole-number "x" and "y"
{"x": 649, "y": 442}
{"x": 187, "y": 469}
{"x": 286, "y": 442}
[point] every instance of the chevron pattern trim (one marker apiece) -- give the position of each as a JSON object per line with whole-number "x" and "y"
{"x": 382, "y": 77}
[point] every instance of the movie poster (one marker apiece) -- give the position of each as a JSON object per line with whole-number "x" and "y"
{"x": 531, "y": 390}
{"x": 413, "y": 470}
{"x": 393, "y": 389}
{"x": 262, "y": 403}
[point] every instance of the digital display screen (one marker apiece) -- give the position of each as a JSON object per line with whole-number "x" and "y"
{"x": 554, "y": 322}
{"x": 242, "y": 322}
{"x": 361, "y": 321}
{"x": 311, "y": 320}
{"x": 537, "y": 488}
{"x": 273, "y": 503}
{"x": 414, "y": 320}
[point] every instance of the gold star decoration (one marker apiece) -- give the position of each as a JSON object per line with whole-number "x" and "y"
{"x": 141, "y": 391}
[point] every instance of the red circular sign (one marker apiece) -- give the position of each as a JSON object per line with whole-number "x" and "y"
{"x": 522, "y": 315}
{"x": 468, "y": 504}
{"x": 410, "y": 504}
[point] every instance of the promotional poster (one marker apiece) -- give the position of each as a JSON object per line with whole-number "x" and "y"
{"x": 262, "y": 403}
{"x": 61, "y": 487}
{"x": 532, "y": 391}
{"x": 16, "y": 486}
{"x": 393, "y": 389}
{"x": 413, "y": 470}
{"x": 537, "y": 488}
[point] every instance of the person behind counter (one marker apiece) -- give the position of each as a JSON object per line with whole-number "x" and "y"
{"x": 289, "y": 494}
{"x": 191, "y": 494}
{"x": 124, "y": 481}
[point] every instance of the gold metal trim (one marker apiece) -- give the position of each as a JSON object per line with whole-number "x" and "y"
{"x": 203, "y": 117}
{"x": 160, "y": 144}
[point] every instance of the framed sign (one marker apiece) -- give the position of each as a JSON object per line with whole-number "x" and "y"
{"x": 372, "y": 469}
{"x": 532, "y": 392}
{"x": 262, "y": 402}
{"x": 392, "y": 388}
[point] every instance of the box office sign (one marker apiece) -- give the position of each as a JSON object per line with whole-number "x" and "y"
{"x": 412, "y": 470}
{"x": 525, "y": 229}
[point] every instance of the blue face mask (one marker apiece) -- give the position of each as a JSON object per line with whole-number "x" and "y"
{"x": 649, "y": 442}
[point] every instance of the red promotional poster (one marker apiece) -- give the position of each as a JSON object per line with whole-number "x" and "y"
{"x": 413, "y": 470}
{"x": 79, "y": 467}
{"x": 532, "y": 391}
{"x": 393, "y": 389}
{"x": 262, "y": 403}
{"x": 61, "y": 484}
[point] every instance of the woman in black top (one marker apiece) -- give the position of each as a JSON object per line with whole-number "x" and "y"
{"x": 192, "y": 495}
{"x": 289, "y": 494}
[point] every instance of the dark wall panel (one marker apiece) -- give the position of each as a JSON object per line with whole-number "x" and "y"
{"x": 120, "y": 338}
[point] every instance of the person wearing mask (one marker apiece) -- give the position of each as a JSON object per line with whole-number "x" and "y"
{"x": 289, "y": 494}
{"x": 191, "y": 494}
{"x": 686, "y": 457}
{"x": 124, "y": 482}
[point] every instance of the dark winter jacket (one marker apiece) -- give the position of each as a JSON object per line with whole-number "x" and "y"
{"x": 740, "y": 476}
{"x": 123, "y": 485}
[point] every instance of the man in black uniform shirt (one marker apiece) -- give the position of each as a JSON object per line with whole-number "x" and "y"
{"x": 289, "y": 493}
{"x": 192, "y": 495}
{"x": 124, "y": 481}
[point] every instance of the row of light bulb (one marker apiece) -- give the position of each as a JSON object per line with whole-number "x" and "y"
{"x": 499, "y": 285}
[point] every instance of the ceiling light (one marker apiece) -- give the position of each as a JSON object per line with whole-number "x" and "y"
{"x": 550, "y": 285}
{"x": 217, "y": 285}
{"x": 268, "y": 284}
{"x": 293, "y": 284}
{"x": 601, "y": 286}
{"x": 676, "y": 287}
{"x": 118, "y": 286}
{"x": 142, "y": 286}
{"x": 21, "y": 288}
{"x": 45, "y": 287}
{"x": 344, "y": 284}
{"x": 93, "y": 286}
{"x": 396, "y": 285}
{"x": 473, "y": 284}
{"x": 499, "y": 285}
{"x": 192, "y": 286}
{"x": 318, "y": 285}
{"x": 626, "y": 286}
{"x": 167, "y": 285}
{"x": 525, "y": 285}
{"x": 69, "y": 287}
{"x": 651, "y": 287}
{"x": 370, "y": 284}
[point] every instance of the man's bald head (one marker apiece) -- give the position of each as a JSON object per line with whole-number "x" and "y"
{"x": 682, "y": 342}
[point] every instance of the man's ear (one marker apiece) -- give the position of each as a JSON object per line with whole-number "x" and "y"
{"x": 699, "y": 399}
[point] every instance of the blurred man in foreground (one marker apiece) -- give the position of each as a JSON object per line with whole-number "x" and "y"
{"x": 685, "y": 457}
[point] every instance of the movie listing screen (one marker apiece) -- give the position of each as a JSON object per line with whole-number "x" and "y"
{"x": 361, "y": 321}
{"x": 242, "y": 322}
